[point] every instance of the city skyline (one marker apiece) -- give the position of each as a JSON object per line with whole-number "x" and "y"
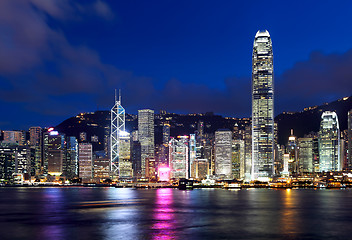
{"x": 54, "y": 67}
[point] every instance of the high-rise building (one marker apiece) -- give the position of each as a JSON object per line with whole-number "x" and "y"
{"x": 117, "y": 126}
{"x": 146, "y": 136}
{"x": 178, "y": 157}
{"x": 349, "y": 144}
{"x": 329, "y": 143}
{"x": 192, "y": 152}
{"x": 70, "y": 166}
{"x": 238, "y": 159}
{"x": 292, "y": 150}
{"x": 35, "y": 134}
{"x": 223, "y": 153}
{"x": 200, "y": 169}
{"x": 14, "y": 159}
{"x": 14, "y": 137}
{"x": 262, "y": 107}
{"x": 53, "y": 153}
{"x": 305, "y": 155}
{"x": 125, "y": 162}
{"x": 85, "y": 161}
{"x": 248, "y": 152}
{"x": 166, "y": 133}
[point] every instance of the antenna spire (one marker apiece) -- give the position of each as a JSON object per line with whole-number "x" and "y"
{"x": 115, "y": 95}
{"x": 120, "y": 96}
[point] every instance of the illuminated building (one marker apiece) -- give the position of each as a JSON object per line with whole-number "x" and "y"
{"x": 136, "y": 156}
{"x": 293, "y": 153}
{"x": 101, "y": 167}
{"x": 125, "y": 156}
{"x": 85, "y": 161}
{"x": 286, "y": 158}
{"x": 223, "y": 153}
{"x": 305, "y": 155}
{"x": 200, "y": 169}
{"x": 163, "y": 173}
{"x": 166, "y": 133}
{"x": 35, "y": 134}
{"x": 35, "y": 141}
{"x": 14, "y": 159}
{"x": 83, "y": 136}
{"x": 262, "y": 107}
{"x": 70, "y": 166}
{"x": 146, "y": 136}
{"x": 248, "y": 152}
{"x": 238, "y": 159}
{"x": 14, "y": 137}
{"x": 150, "y": 170}
{"x": 117, "y": 125}
{"x": 53, "y": 152}
{"x": 329, "y": 143}
{"x": 178, "y": 157}
{"x": 349, "y": 141}
{"x": 192, "y": 152}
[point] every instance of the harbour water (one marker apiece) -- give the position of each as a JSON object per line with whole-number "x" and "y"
{"x": 125, "y": 213}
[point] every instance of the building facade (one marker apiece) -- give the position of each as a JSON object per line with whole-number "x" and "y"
{"x": 146, "y": 136}
{"x": 223, "y": 153}
{"x": 262, "y": 107}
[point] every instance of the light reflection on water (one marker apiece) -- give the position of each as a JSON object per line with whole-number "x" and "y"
{"x": 109, "y": 213}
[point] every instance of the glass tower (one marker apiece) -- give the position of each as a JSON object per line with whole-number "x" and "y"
{"x": 329, "y": 143}
{"x": 262, "y": 107}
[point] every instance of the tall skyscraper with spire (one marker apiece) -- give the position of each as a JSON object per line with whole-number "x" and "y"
{"x": 117, "y": 126}
{"x": 262, "y": 107}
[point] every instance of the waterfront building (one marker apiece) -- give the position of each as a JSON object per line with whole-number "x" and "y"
{"x": 70, "y": 166}
{"x": 53, "y": 153}
{"x": 166, "y": 133}
{"x": 223, "y": 153}
{"x": 101, "y": 169}
{"x": 14, "y": 137}
{"x": 146, "y": 136}
{"x": 292, "y": 150}
{"x": 349, "y": 141}
{"x": 238, "y": 159}
{"x": 85, "y": 161}
{"x": 305, "y": 155}
{"x": 178, "y": 157}
{"x": 117, "y": 125}
{"x": 262, "y": 107}
{"x": 125, "y": 156}
{"x": 192, "y": 152}
{"x": 329, "y": 143}
{"x": 200, "y": 169}
{"x": 248, "y": 152}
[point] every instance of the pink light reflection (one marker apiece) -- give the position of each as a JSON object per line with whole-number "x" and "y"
{"x": 164, "y": 215}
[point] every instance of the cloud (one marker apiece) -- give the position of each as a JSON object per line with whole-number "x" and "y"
{"x": 321, "y": 78}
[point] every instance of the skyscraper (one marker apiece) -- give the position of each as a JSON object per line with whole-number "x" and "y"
{"x": 85, "y": 160}
{"x": 146, "y": 136}
{"x": 262, "y": 107}
{"x": 178, "y": 157}
{"x": 117, "y": 125}
{"x": 223, "y": 153}
{"x": 329, "y": 143}
{"x": 349, "y": 151}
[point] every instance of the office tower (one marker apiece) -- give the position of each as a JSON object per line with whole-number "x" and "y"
{"x": 166, "y": 133}
{"x": 248, "y": 152}
{"x": 85, "y": 161}
{"x": 136, "y": 159}
{"x": 286, "y": 159}
{"x": 117, "y": 125}
{"x": 200, "y": 128}
{"x": 262, "y": 107}
{"x": 70, "y": 166}
{"x": 125, "y": 162}
{"x": 146, "y": 136}
{"x": 35, "y": 134}
{"x": 101, "y": 169}
{"x": 238, "y": 159}
{"x": 305, "y": 155}
{"x": 292, "y": 150}
{"x": 223, "y": 153}
{"x": 329, "y": 143}
{"x": 200, "y": 169}
{"x": 14, "y": 137}
{"x": 150, "y": 169}
{"x": 53, "y": 153}
{"x": 178, "y": 157}
{"x": 349, "y": 141}
{"x": 14, "y": 159}
{"x": 192, "y": 152}
{"x": 35, "y": 140}
{"x": 344, "y": 149}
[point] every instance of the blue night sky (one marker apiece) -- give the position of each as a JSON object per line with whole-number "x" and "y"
{"x": 59, "y": 58}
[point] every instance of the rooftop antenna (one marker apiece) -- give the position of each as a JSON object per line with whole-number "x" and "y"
{"x": 115, "y": 95}
{"x": 120, "y": 96}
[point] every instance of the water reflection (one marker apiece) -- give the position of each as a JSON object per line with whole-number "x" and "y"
{"x": 164, "y": 215}
{"x": 289, "y": 215}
